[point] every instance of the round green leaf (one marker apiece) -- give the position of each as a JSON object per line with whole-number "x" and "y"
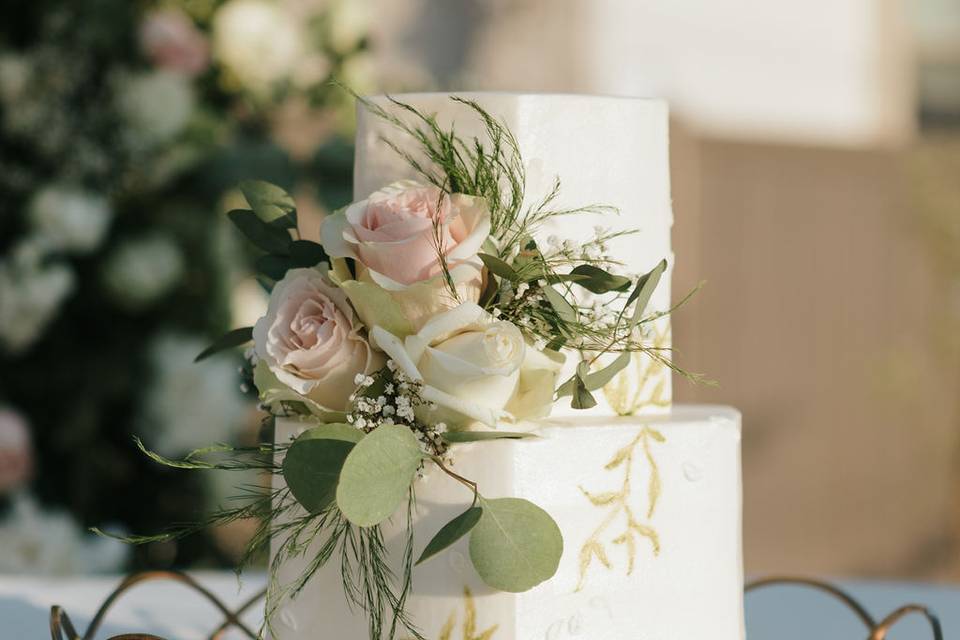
{"x": 268, "y": 200}
{"x": 516, "y": 545}
{"x": 377, "y": 475}
{"x": 451, "y": 532}
{"x": 312, "y": 465}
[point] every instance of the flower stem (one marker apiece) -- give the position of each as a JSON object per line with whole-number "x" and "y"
{"x": 456, "y": 476}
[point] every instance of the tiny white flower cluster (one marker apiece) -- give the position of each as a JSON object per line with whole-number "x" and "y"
{"x": 519, "y": 304}
{"x": 594, "y": 250}
{"x": 391, "y": 398}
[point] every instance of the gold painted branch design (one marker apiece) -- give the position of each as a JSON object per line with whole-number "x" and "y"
{"x": 469, "y": 627}
{"x": 643, "y": 383}
{"x": 619, "y": 510}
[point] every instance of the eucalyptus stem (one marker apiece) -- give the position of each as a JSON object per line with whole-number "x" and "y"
{"x": 470, "y": 484}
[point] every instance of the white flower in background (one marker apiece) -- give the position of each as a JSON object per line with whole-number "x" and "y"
{"x": 349, "y": 23}
{"x": 171, "y": 40}
{"x": 70, "y": 218}
{"x": 156, "y": 105}
{"x": 311, "y": 70}
{"x": 16, "y": 451}
{"x": 30, "y": 294}
{"x": 141, "y": 271}
{"x": 189, "y": 405}
{"x": 311, "y": 341}
{"x": 360, "y": 72}
{"x": 258, "y": 42}
{"x": 474, "y": 368}
{"x": 14, "y": 75}
{"x": 39, "y": 541}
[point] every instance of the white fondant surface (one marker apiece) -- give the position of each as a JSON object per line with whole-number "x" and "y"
{"x": 690, "y": 590}
{"x": 605, "y": 150}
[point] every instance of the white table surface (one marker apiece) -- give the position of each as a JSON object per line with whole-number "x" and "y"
{"x": 780, "y": 613}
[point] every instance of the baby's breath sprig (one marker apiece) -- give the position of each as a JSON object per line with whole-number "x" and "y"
{"x": 389, "y": 396}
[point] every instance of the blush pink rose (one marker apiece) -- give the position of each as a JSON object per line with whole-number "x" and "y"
{"x": 395, "y": 236}
{"x": 170, "y": 39}
{"x": 16, "y": 452}
{"x": 311, "y": 340}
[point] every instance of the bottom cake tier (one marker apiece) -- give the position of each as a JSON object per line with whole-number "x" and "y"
{"x": 650, "y": 512}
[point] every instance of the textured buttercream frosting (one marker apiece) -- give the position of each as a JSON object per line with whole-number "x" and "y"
{"x": 650, "y": 512}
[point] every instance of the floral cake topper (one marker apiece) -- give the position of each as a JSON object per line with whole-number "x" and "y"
{"x": 428, "y": 315}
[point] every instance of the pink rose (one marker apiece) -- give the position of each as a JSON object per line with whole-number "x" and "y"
{"x": 170, "y": 39}
{"x": 311, "y": 341}
{"x": 16, "y": 455}
{"x": 395, "y": 236}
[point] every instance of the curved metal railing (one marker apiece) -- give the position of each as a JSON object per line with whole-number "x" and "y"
{"x": 61, "y": 627}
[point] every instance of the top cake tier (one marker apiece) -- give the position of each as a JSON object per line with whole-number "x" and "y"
{"x": 605, "y": 151}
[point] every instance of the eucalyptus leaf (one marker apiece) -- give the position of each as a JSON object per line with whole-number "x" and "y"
{"x": 596, "y": 280}
{"x": 499, "y": 267}
{"x": 269, "y": 238}
{"x": 564, "y": 309}
{"x": 230, "y": 339}
{"x": 377, "y": 474}
{"x": 451, "y": 532}
{"x": 333, "y": 431}
{"x": 582, "y": 398}
{"x": 268, "y": 201}
{"x": 311, "y": 467}
{"x": 596, "y": 380}
{"x": 288, "y": 221}
{"x": 559, "y": 278}
{"x": 516, "y": 545}
{"x": 457, "y": 437}
{"x": 273, "y": 266}
{"x": 490, "y": 289}
{"x": 599, "y": 379}
{"x": 568, "y": 387}
{"x": 307, "y": 254}
{"x": 641, "y": 293}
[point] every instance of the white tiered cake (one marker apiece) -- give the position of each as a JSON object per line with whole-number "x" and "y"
{"x": 649, "y": 504}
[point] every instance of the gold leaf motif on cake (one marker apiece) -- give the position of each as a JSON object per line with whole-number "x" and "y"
{"x": 619, "y": 507}
{"x": 469, "y": 627}
{"x": 642, "y": 384}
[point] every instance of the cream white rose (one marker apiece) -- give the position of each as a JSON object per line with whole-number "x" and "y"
{"x": 394, "y": 236}
{"x": 474, "y": 368}
{"x": 311, "y": 340}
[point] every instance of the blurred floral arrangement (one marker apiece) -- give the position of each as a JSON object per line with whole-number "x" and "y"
{"x": 123, "y": 126}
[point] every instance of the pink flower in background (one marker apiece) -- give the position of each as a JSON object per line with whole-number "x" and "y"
{"x": 16, "y": 454}
{"x": 171, "y": 40}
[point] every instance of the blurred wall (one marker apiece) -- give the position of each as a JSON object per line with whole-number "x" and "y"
{"x": 817, "y": 321}
{"x": 814, "y": 72}
{"x": 795, "y": 172}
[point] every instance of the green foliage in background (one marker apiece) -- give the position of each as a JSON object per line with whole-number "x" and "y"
{"x": 116, "y": 170}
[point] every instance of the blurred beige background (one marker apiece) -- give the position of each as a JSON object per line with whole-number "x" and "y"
{"x": 816, "y": 156}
